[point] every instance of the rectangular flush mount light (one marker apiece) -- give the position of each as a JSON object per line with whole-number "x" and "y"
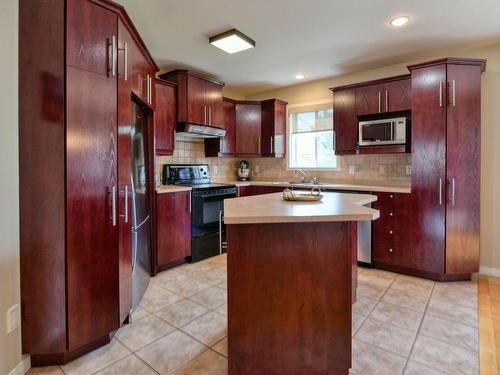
{"x": 232, "y": 41}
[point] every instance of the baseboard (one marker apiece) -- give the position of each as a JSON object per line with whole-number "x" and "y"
{"x": 22, "y": 367}
{"x": 490, "y": 271}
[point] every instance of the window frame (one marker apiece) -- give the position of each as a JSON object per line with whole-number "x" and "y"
{"x": 327, "y": 103}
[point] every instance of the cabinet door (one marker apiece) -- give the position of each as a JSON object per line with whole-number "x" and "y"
{"x": 213, "y": 101}
{"x": 90, "y": 38}
{"x": 369, "y": 99}
{"x": 165, "y": 118}
{"x": 92, "y": 237}
{"x": 345, "y": 122}
{"x": 197, "y": 112}
{"x": 428, "y": 168}
{"x": 229, "y": 123}
{"x": 273, "y": 128}
{"x": 173, "y": 228}
{"x": 279, "y": 140}
{"x": 248, "y": 129}
{"x": 397, "y": 96}
{"x": 463, "y": 169}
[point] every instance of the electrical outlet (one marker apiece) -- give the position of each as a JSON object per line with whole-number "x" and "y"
{"x": 352, "y": 169}
{"x": 257, "y": 168}
{"x": 215, "y": 169}
{"x": 13, "y": 318}
{"x": 408, "y": 170}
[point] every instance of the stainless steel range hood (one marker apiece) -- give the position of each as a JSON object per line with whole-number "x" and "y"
{"x": 187, "y": 131}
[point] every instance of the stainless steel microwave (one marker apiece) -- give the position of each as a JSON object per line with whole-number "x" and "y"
{"x": 390, "y": 131}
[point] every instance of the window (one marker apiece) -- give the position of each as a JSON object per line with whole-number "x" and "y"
{"x": 311, "y": 138}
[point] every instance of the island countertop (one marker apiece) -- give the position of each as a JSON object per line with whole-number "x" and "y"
{"x": 270, "y": 208}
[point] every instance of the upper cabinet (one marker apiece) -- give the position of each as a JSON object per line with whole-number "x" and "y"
{"x": 273, "y": 128}
{"x": 199, "y": 98}
{"x": 165, "y": 116}
{"x": 248, "y": 128}
{"x": 368, "y": 99}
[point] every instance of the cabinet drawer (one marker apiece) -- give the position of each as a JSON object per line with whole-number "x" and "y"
{"x": 391, "y": 237}
{"x": 395, "y": 256}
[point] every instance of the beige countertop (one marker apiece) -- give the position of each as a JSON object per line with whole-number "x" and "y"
{"x": 172, "y": 189}
{"x": 270, "y": 208}
{"x": 375, "y": 186}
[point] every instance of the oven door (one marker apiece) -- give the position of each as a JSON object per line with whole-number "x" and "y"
{"x": 207, "y": 210}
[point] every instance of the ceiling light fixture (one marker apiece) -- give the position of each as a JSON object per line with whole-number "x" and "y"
{"x": 399, "y": 21}
{"x": 232, "y": 41}
{"x": 300, "y": 76}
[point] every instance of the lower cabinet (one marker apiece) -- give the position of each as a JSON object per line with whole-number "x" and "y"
{"x": 173, "y": 229}
{"x": 245, "y": 191}
{"x": 392, "y": 231}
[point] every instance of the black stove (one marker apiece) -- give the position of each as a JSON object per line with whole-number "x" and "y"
{"x": 208, "y": 234}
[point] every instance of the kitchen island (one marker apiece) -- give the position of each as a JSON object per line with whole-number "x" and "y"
{"x": 290, "y": 282}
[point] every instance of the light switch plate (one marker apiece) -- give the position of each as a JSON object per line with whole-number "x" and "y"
{"x": 408, "y": 170}
{"x": 257, "y": 168}
{"x": 13, "y": 318}
{"x": 352, "y": 169}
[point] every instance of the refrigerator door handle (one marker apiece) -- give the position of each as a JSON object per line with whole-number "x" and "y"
{"x": 134, "y": 249}
{"x": 140, "y": 225}
{"x": 220, "y": 232}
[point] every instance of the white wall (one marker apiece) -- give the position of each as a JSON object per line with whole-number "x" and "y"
{"x": 10, "y": 345}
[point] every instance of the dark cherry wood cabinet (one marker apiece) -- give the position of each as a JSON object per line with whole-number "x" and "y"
{"x": 369, "y": 99}
{"x": 446, "y": 124}
{"x": 273, "y": 128}
{"x": 227, "y": 145}
{"x": 386, "y": 95}
{"x": 248, "y": 128}
{"x": 173, "y": 229}
{"x": 245, "y": 191}
{"x": 397, "y": 95}
{"x": 345, "y": 124}
{"x": 199, "y": 97}
{"x": 391, "y": 232}
{"x": 75, "y": 236}
{"x": 165, "y": 116}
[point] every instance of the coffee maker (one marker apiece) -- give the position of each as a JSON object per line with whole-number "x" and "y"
{"x": 244, "y": 171}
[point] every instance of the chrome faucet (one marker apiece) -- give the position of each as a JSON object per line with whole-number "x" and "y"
{"x": 306, "y": 179}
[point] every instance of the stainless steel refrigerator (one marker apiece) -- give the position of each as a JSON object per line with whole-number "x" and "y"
{"x": 141, "y": 222}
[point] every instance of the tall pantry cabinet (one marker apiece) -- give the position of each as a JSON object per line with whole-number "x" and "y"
{"x": 75, "y": 171}
{"x": 446, "y": 127}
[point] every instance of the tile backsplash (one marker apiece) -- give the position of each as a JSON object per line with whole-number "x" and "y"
{"x": 365, "y": 167}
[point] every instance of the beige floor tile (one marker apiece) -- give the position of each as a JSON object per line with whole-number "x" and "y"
{"x": 465, "y": 286}
{"x": 166, "y": 278}
{"x": 130, "y": 365}
{"x": 208, "y": 363}
{"x": 461, "y": 314}
{"x": 363, "y": 305}
{"x": 47, "y": 370}
{"x": 381, "y": 274}
{"x": 369, "y": 289}
{"x": 447, "y": 358}
{"x": 457, "y": 296}
{"x": 97, "y": 360}
{"x": 212, "y": 297}
{"x": 157, "y": 298}
{"x": 222, "y": 285}
{"x": 182, "y": 312}
{"x": 188, "y": 287}
{"x": 222, "y": 309}
{"x": 394, "y": 339}
{"x": 357, "y": 321}
{"x": 195, "y": 269}
{"x": 213, "y": 277}
{"x": 209, "y": 328}
{"x": 171, "y": 352}
{"x": 451, "y": 332}
{"x": 414, "y": 368}
{"x": 397, "y": 316}
{"x": 405, "y": 299}
{"x": 143, "y": 332}
{"x": 370, "y": 360}
{"x": 221, "y": 347}
{"x": 138, "y": 313}
{"x": 413, "y": 285}
{"x": 374, "y": 279}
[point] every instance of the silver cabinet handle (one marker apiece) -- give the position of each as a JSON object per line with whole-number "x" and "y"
{"x": 125, "y": 47}
{"x": 379, "y": 101}
{"x": 113, "y": 205}
{"x": 210, "y": 115}
{"x": 189, "y": 202}
{"x": 126, "y": 203}
{"x": 150, "y": 89}
{"x": 258, "y": 146}
{"x": 391, "y": 232}
{"x": 113, "y": 56}
{"x": 391, "y": 214}
{"x": 221, "y": 145}
{"x": 272, "y": 146}
{"x": 220, "y": 232}
{"x": 205, "y": 114}
{"x": 453, "y": 101}
{"x": 440, "y": 93}
{"x": 386, "y": 101}
{"x": 440, "y": 191}
{"x": 453, "y": 191}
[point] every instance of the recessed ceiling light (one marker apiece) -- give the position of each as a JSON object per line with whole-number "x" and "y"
{"x": 399, "y": 21}
{"x": 300, "y": 76}
{"x": 232, "y": 41}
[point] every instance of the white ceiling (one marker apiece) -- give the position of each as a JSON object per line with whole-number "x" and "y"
{"x": 319, "y": 38}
